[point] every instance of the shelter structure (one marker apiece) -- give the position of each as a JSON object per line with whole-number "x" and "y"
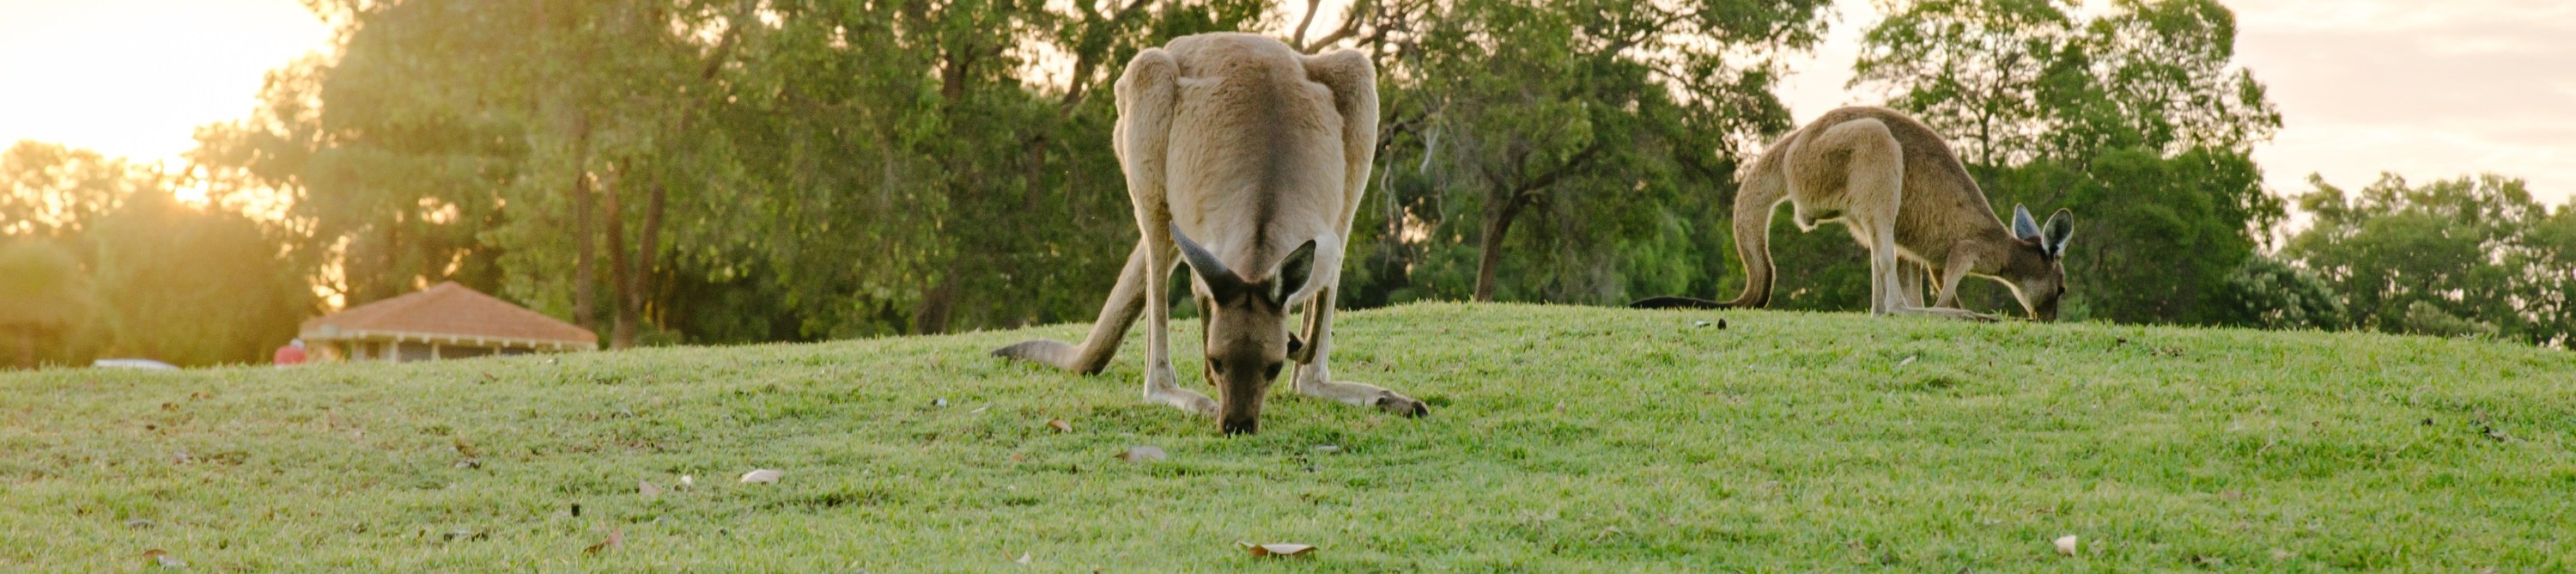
{"x": 447, "y": 321}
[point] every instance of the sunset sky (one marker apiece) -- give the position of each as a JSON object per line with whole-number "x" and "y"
{"x": 2425, "y": 89}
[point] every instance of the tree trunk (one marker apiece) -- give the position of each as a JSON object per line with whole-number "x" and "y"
{"x": 1491, "y": 246}
{"x": 26, "y": 348}
{"x": 647, "y": 251}
{"x": 940, "y": 302}
{"x": 620, "y": 294}
{"x": 583, "y": 272}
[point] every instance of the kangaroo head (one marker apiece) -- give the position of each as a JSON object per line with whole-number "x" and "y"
{"x": 2038, "y": 272}
{"x": 1246, "y": 321}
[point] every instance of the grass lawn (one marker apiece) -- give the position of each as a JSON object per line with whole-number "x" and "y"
{"x": 1561, "y": 439}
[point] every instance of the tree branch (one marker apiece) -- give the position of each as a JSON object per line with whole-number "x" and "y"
{"x": 1299, "y": 39}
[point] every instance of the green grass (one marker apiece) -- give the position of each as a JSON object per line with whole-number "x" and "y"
{"x": 1563, "y": 439}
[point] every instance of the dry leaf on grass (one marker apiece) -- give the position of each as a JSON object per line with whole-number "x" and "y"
{"x": 2066, "y": 545}
{"x": 761, "y": 476}
{"x": 163, "y": 559}
{"x": 1142, "y": 454}
{"x": 646, "y": 487}
{"x": 1275, "y": 549}
{"x": 616, "y": 538}
{"x": 1060, "y": 425}
{"x": 1024, "y": 558}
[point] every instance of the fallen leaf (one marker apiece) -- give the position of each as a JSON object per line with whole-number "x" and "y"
{"x": 1060, "y": 425}
{"x": 1909, "y": 359}
{"x": 1275, "y": 549}
{"x": 1017, "y": 457}
{"x": 1024, "y": 558}
{"x": 1142, "y": 454}
{"x": 648, "y": 489}
{"x": 2066, "y": 545}
{"x": 616, "y": 538}
{"x": 761, "y": 475}
{"x": 979, "y": 410}
{"x": 163, "y": 559}
{"x": 688, "y": 481}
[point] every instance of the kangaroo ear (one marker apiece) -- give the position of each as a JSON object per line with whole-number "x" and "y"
{"x": 1206, "y": 265}
{"x": 1293, "y": 273}
{"x": 2023, "y": 227}
{"x": 2053, "y": 236}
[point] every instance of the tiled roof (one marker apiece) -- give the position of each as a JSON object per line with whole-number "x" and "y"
{"x": 449, "y": 309}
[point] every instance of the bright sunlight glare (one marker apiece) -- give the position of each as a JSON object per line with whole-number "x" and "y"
{"x": 133, "y": 78}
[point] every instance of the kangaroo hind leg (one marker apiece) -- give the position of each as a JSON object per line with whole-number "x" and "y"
{"x": 1315, "y": 375}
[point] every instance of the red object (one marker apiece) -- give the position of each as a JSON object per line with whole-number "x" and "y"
{"x": 289, "y": 355}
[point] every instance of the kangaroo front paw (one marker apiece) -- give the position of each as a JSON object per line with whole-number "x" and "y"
{"x": 1403, "y": 406}
{"x": 1185, "y": 400}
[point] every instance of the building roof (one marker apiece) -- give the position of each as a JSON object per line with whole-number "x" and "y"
{"x": 447, "y": 311}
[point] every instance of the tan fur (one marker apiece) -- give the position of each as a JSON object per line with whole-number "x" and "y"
{"x": 1254, "y": 154}
{"x": 1904, "y": 196}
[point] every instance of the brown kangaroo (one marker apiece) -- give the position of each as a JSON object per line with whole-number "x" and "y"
{"x": 1261, "y": 153}
{"x": 1906, "y": 198}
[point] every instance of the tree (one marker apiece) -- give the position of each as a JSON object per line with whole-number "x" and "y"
{"x": 193, "y": 287}
{"x": 2453, "y": 257}
{"x": 2271, "y": 293}
{"x": 52, "y": 191}
{"x": 44, "y": 296}
{"x": 1593, "y": 116}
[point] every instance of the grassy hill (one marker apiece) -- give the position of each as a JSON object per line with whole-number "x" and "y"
{"x": 1563, "y": 439}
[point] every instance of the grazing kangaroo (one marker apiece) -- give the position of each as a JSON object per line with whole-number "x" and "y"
{"x": 1907, "y": 199}
{"x": 1260, "y": 153}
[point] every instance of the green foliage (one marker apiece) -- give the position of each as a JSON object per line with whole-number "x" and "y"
{"x": 192, "y": 287}
{"x": 51, "y": 191}
{"x": 1563, "y": 151}
{"x": 44, "y": 298}
{"x": 1564, "y": 439}
{"x": 2451, "y": 257}
{"x": 2271, "y": 293}
{"x": 108, "y": 263}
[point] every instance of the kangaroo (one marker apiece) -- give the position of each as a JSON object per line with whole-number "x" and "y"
{"x": 1259, "y": 153}
{"x": 1906, "y": 198}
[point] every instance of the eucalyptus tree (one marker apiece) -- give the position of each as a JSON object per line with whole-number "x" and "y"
{"x": 1602, "y": 118}
{"x": 2464, "y": 255}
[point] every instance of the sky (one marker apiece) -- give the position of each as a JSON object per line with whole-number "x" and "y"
{"x": 134, "y": 78}
{"x": 2425, "y": 89}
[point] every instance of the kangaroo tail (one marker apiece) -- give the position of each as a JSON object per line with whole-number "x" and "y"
{"x": 1764, "y": 186}
{"x": 1678, "y": 302}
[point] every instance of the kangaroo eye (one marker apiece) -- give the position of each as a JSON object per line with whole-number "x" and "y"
{"x": 1274, "y": 370}
{"x": 1216, "y": 364}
